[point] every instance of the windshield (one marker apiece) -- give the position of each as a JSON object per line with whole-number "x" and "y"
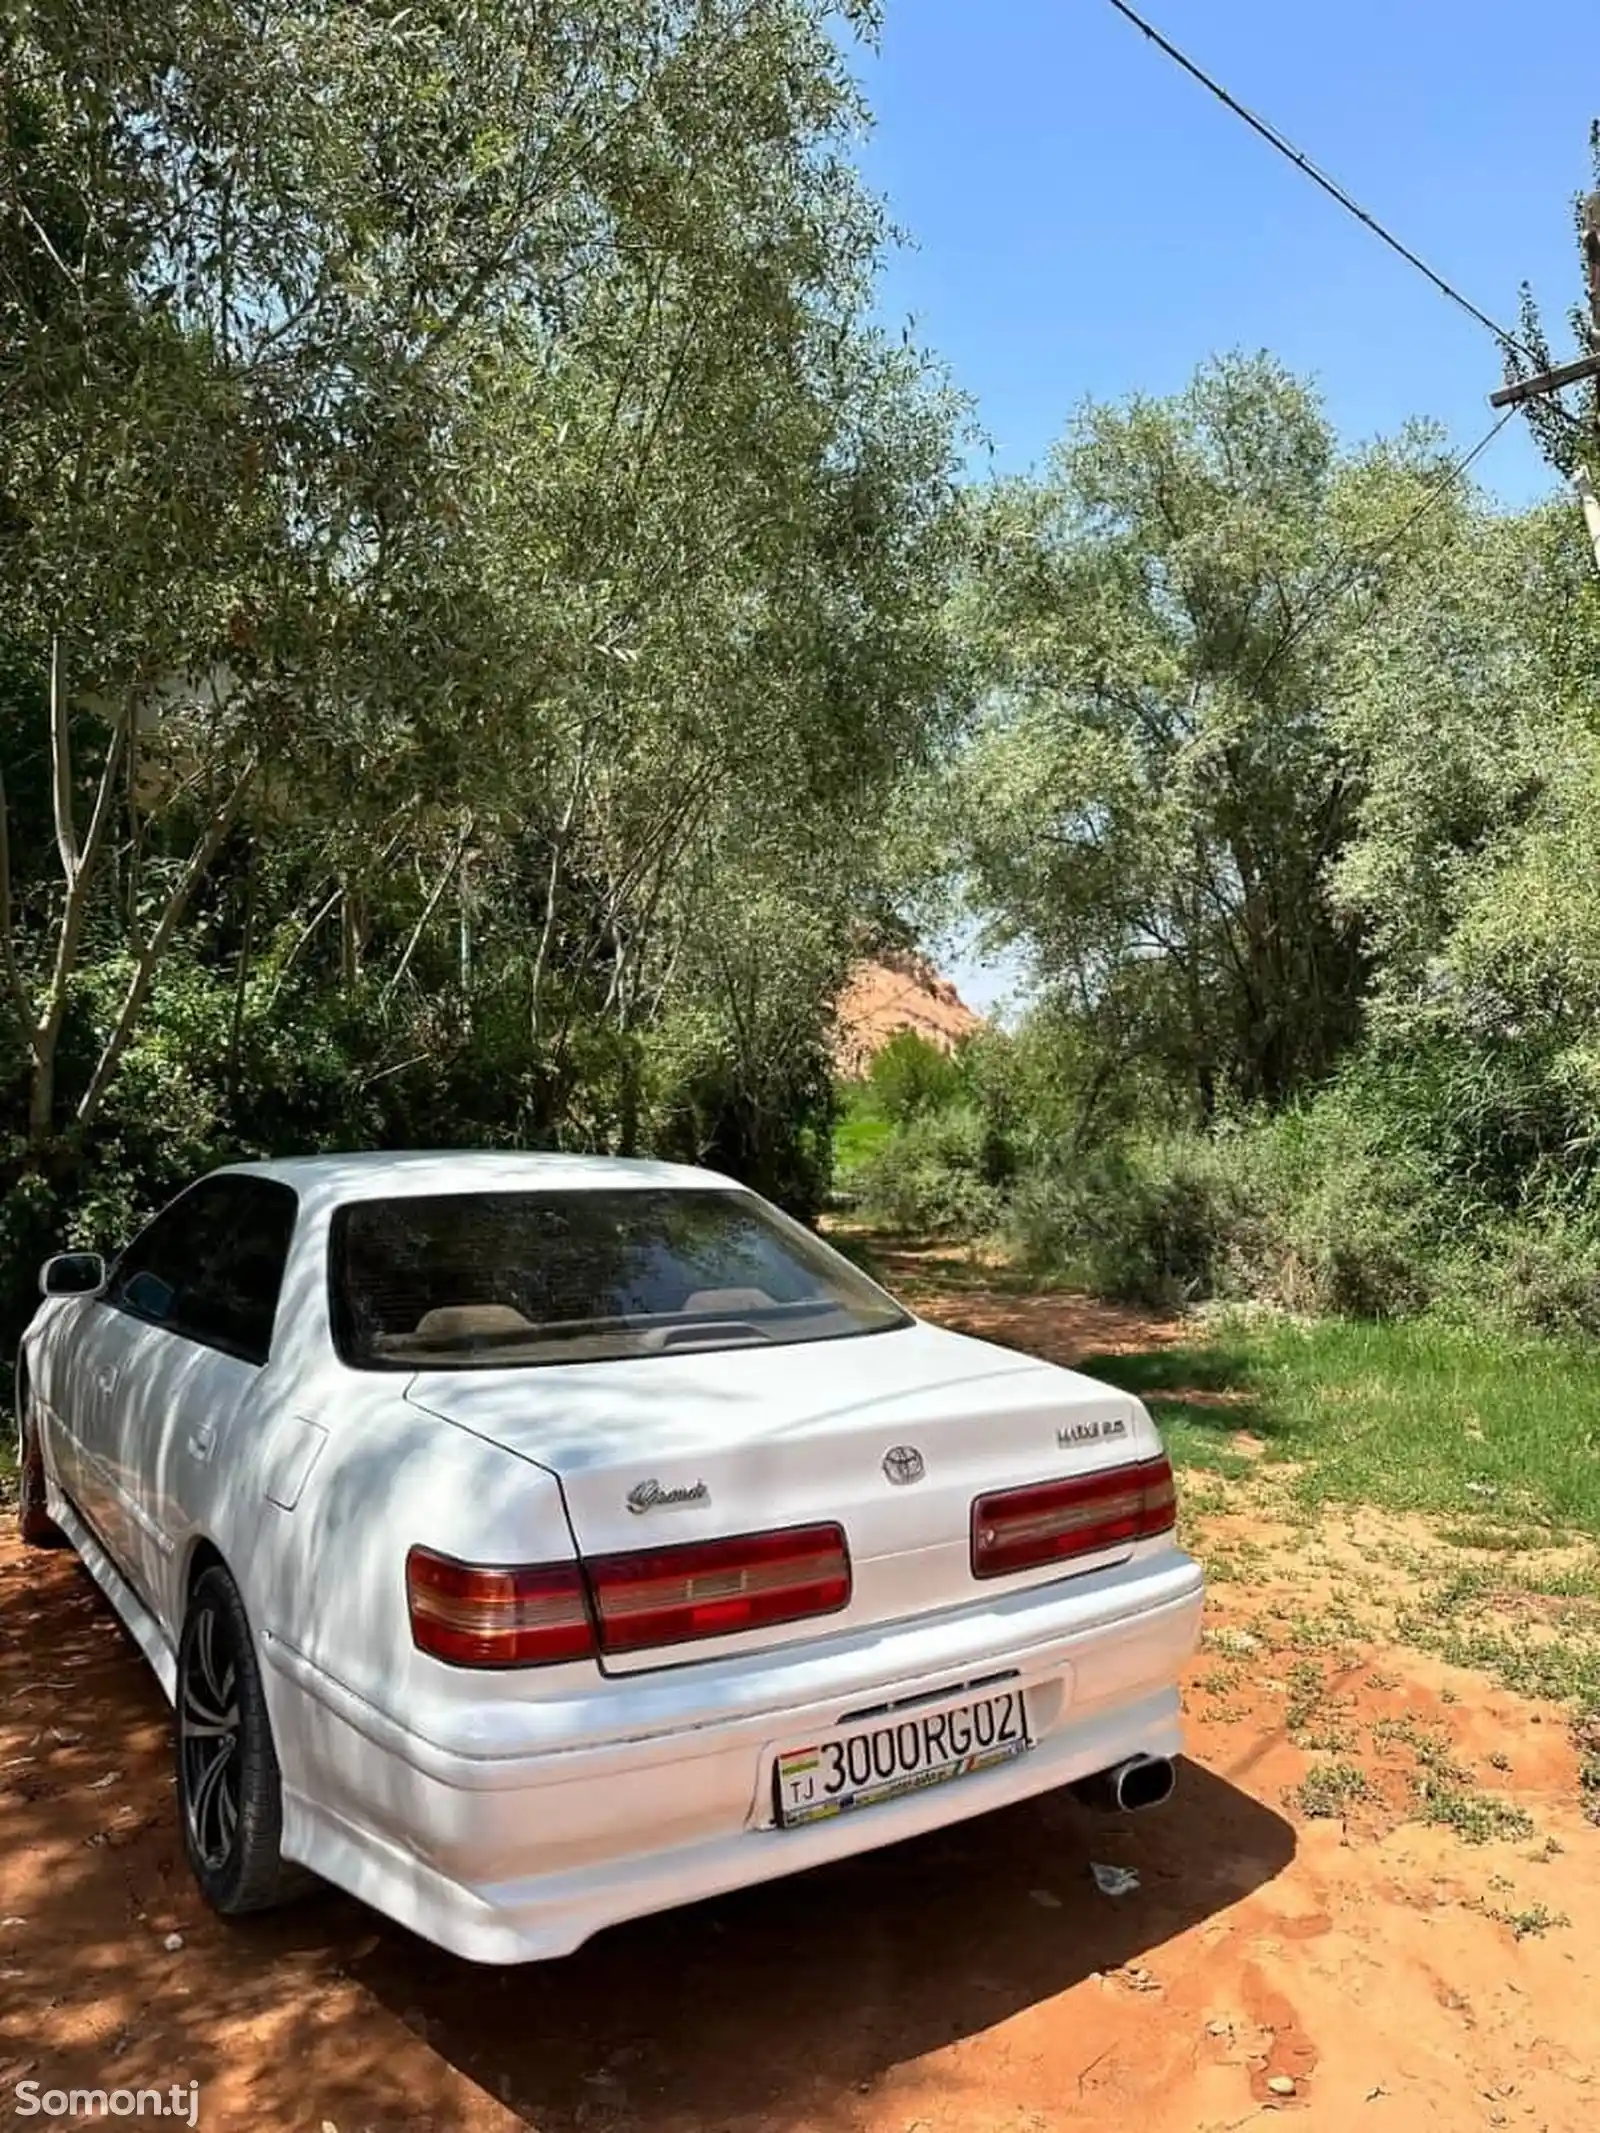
{"x": 498, "y": 1279}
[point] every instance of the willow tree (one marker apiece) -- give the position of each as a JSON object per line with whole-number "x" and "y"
{"x": 1165, "y": 781}
{"x": 1566, "y": 426}
{"x": 434, "y": 440}
{"x": 459, "y": 535}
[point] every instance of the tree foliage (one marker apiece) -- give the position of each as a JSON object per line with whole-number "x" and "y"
{"x": 1163, "y": 787}
{"x": 1565, "y": 427}
{"x": 1289, "y": 782}
{"x": 471, "y": 576}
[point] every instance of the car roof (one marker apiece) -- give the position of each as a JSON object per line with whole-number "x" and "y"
{"x": 374, "y": 1175}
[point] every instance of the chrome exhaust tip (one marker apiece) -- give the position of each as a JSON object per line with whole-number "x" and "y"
{"x": 1142, "y": 1781}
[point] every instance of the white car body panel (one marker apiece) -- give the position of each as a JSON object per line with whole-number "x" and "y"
{"x": 509, "y": 1814}
{"x": 806, "y": 1429}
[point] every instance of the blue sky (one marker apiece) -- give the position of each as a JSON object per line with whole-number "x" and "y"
{"x": 1085, "y": 220}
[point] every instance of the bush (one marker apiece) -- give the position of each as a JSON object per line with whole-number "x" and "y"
{"x": 938, "y": 1176}
{"x": 1434, "y": 1174}
{"x": 1542, "y": 1276}
{"x": 1353, "y": 1222}
{"x": 910, "y": 1077}
{"x": 1158, "y": 1221}
{"x": 1357, "y": 1203}
{"x": 1322, "y": 1210}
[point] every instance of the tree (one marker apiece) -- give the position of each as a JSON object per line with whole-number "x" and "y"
{"x": 1567, "y": 436}
{"x": 1162, "y": 788}
{"x": 1472, "y": 862}
{"x": 472, "y": 582}
{"x": 449, "y": 503}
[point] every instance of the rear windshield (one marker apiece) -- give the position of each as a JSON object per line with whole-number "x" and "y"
{"x": 491, "y": 1280}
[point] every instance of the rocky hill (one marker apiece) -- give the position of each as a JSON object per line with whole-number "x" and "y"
{"x": 897, "y": 991}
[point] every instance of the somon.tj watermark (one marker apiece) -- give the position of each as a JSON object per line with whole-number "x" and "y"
{"x": 180, "y": 2100}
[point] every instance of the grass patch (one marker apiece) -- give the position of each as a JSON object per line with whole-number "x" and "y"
{"x": 1535, "y": 1919}
{"x": 1430, "y": 1750}
{"x": 1562, "y": 1671}
{"x": 1505, "y": 1540}
{"x": 1201, "y": 1394}
{"x": 1232, "y": 1562}
{"x": 1305, "y": 1695}
{"x": 1476, "y": 1817}
{"x": 857, "y": 1138}
{"x": 1498, "y": 1432}
{"x": 1196, "y": 1437}
{"x": 1330, "y": 1791}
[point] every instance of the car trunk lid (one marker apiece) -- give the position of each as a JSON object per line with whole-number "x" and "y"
{"x": 891, "y": 1436}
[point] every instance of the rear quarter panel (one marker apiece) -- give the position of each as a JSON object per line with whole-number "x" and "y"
{"x": 328, "y": 1569}
{"x": 330, "y": 1478}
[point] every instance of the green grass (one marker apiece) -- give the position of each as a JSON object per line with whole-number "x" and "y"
{"x": 856, "y": 1139}
{"x": 1330, "y": 1790}
{"x": 1418, "y": 1416}
{"x": 860, "y": 1130}
{"x": 1498, "y": 1434}
{"x": 1564, "y": 1670}
{"x": 1476, "y": 1817}
{"x": 1495, "y": 1435}
{"x": 1536, "y": 1918}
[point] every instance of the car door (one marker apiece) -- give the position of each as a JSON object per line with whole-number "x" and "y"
{"x": 112, "y": 1346}
{"x": 189, "y": 1389}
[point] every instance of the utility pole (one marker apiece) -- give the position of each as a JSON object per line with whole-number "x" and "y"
{"x": 1591, "y": 258}
{"x": 1551, "y": 381}
{"x": 1591, "y": 509}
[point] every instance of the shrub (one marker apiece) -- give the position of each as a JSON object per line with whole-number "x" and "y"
{"x": 936, "y": 1176}
{"x": 1349, "y": 1224}
{"x": 1542, "y": 1275}
{"x": 1159, "y": 1221}
{"x": 910, "y": 1077}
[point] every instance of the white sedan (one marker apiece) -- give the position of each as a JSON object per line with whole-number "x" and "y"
{"x": 528, "y": 1543}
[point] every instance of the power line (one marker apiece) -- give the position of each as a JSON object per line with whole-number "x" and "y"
{"x": 1374, "y": 551}
{"x": 1330, "y": 186}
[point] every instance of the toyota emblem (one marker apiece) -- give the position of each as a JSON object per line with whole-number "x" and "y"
{"x": 903, "y": 1464}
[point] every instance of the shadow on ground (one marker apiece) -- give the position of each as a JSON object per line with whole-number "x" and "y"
{"x": 928, "y": 1266}
{"x": 784, "y": 2001}
{"x": 1203, "y": 1395}
{"x": 778, "y": 2006}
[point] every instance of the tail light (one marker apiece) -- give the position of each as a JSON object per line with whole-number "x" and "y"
{"x": 1056, "y": 1521}
{"x": 472, "y": 1614}
{"x": 716, "y": 1588}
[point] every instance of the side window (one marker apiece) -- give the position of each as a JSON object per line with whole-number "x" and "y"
{"x": 211, "y": 1266}
{"x": 232, "y": 1299}
{"x": 148, "y": 1277}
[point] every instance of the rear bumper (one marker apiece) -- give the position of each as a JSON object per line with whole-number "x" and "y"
{"x": 656, "y": 1791}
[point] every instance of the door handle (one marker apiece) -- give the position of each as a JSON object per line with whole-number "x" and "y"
{"x": 201, "y": 1439}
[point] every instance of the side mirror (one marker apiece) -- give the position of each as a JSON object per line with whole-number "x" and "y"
{"x": 72, "y": 1274}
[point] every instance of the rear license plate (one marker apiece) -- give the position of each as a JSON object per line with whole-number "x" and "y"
{"x": 875, "y": 1763}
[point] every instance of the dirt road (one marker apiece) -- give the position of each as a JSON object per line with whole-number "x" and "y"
{"x": 1296, "y": 1945}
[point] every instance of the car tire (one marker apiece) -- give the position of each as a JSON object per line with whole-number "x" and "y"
{"x": 230, "y": 1796}
{"x": 37, "y": 1528}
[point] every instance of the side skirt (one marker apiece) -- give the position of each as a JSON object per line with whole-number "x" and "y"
{"x": 135, "y": 1617}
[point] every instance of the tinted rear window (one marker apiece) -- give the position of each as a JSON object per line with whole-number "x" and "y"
{"x": 494, "y": 1280}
